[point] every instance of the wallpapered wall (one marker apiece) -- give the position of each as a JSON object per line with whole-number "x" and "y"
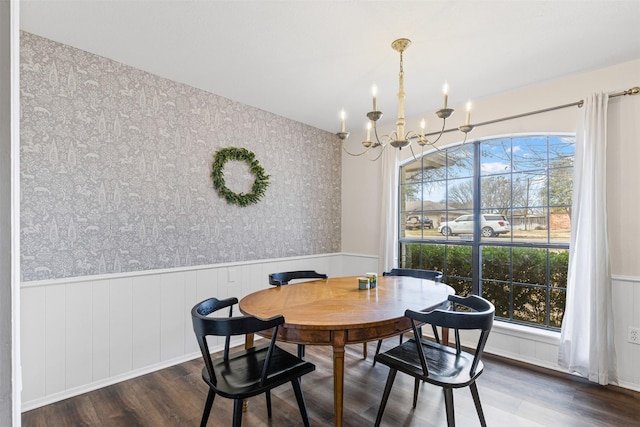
{"x": 115, "y": 170}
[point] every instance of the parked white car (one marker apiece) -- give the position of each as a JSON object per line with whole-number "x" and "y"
{"x": 492, "y": 225}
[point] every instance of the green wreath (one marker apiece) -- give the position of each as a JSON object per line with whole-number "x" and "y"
{"x": 240, "y": 154}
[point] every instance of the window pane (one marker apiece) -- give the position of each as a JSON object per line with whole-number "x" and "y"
{"x": 434, "y": 193}
{"x": 405, "y": 227}
{"x": 529, "y": 190}
{"x": 410, "y": 254}
{"x": 420, "y": 225}
{"x": 434, "y": 161}
{"x": 529, "y": 153}
{"x": 495, "y": 156}
{"x": 423, "y": 256}
{"x": 496, "y": 263}
{"x": 557, "y": 303}
{"x": 458, "y": 260}
{"x": 529, "y": 304}
{"x": 498, "y": 294}
{"x": 496, "y": 191}
{"x": 530, "y": 225}
{"x": 460, "y": 162}
{"x": 410, "y": 196}
{"x": 530, "y": 265}
{"x": 433, "y": 257}
{"x": 560, "y": 187}
{"x": 558, "y": 267}
{"x": 411, "y": 173}
{"x": 495, "y": 224}
{"x": 562, "y": 149}
{"x": 560, "y": 226}
{"x": 460, "y": 193}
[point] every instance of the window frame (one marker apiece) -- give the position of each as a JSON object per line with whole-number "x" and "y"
{"x": 475, "y": 242}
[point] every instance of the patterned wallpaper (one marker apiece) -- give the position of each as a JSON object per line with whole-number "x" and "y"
{"x": 115, "y": 172}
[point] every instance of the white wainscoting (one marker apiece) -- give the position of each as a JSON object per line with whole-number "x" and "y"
{"x": 85, "y": 333}
{"x": 82, "y": 334}
{"x": 626, "y": 302}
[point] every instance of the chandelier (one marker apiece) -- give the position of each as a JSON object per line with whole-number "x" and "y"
{"x": 398, "y": 138}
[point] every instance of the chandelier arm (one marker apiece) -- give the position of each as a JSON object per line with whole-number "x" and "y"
{"x": 379, "y": 154}
{"x": 457, "y": 147}
{"x": 353, "y": 154}
{"x": 444, "y": 122}
{"x": 412, "y": 153}
{"x": 375, "y": 133}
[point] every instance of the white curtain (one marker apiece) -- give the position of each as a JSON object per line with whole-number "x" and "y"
{"x": 586, "y": 344}
{"x": 389, "y": 210}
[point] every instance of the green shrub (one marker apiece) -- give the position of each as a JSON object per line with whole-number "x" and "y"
{"x": 514, "y": 279}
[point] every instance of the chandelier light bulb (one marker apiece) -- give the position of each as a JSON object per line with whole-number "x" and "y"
{"x": 445, "y": 92}
{"x": 468, "y": 112}
{"x": 342, "y": 117}
{"x": 374, "y": 92}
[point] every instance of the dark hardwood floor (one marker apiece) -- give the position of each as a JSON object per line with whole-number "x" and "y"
{"x": 512, "y": 394}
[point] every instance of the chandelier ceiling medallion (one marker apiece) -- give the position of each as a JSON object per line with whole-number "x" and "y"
{"x": 398, "y": 138}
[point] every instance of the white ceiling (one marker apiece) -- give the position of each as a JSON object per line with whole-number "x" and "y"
{"x": 308, "y": 59}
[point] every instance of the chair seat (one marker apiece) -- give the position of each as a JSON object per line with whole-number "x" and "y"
{"x": 446, "y": 369}
{"x": 239, "y": 377}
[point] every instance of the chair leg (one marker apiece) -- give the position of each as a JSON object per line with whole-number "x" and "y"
{"x": 207, "y": 408}
{"x": 385, "y": 395}
{"x": 377, "y": 351}
{"x": 476, "y": 399}
{"x": 237, "y": 412}
{"x": 301, "y": 351}
{"x": 416, "y": 387}
{"x": 364, "y": 350}
{"x": 401, "y": 337}
{"x": 300, "y": 398}
{"x": 448, "y": 404}
{"x": 268, "y": 395}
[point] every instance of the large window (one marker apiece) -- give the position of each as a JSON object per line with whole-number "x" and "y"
{"x": 495, "y": 217}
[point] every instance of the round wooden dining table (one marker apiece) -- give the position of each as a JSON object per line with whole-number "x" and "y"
{"x": 336, "y": 312}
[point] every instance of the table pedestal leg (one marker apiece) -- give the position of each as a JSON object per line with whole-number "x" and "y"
{"x": 338, "y": 342}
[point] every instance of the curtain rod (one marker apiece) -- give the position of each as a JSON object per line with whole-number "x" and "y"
{"x": 633, "y": 91}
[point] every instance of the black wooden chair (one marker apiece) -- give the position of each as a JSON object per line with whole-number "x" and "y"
{"x": 284, "y": 277}
{"x": 434, "y": 275}
{"x": 438, "y": 364}
{"x": 414, "y": 272}
{"x": 247, "y": 372}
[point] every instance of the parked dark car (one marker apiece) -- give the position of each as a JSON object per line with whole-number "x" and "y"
{"x": 417, "y": 222}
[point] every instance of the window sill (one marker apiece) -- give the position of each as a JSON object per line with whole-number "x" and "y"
{"x": 526, "y": 332}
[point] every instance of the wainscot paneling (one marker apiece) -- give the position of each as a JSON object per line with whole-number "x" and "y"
{"x": 626, "y": 313}
{"x": 80, "y": 334}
